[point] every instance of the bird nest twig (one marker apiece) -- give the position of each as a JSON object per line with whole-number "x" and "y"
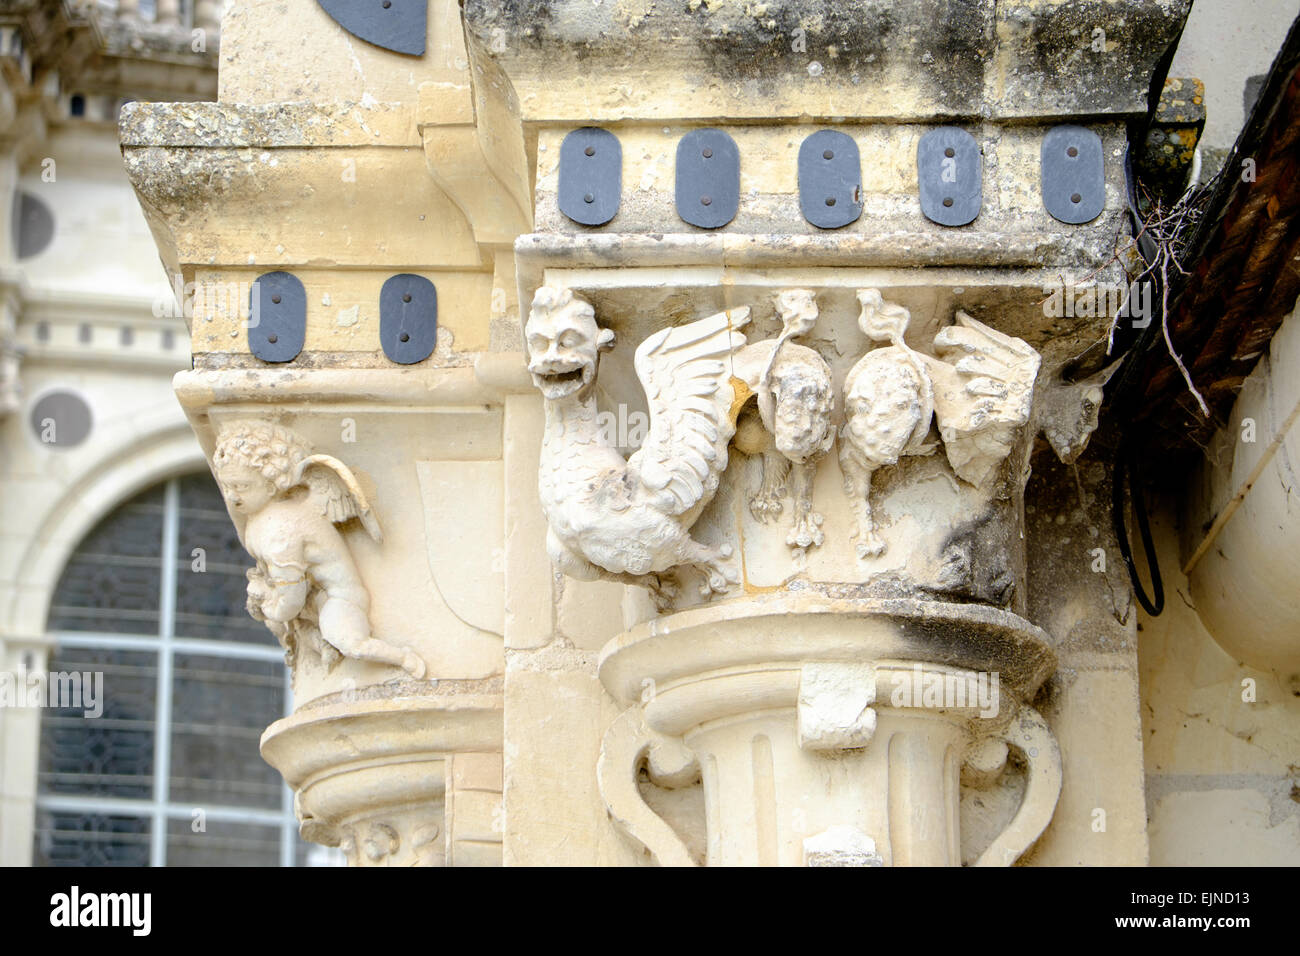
{"x": 1170, "y": 230}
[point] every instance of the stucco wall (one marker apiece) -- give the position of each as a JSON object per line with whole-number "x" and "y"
{"x": 1223, "y": 771}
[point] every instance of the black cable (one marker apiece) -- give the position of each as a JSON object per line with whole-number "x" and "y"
{"x": 1123, "y": 474}
{"x": 1120, "y": 388}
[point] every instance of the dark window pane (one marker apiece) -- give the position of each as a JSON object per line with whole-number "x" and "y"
{"x": 112, "y": 581}
{"x": 210, "y": 602}
{"x": 110, "y": 755}
{"x": 90, "y": 839}
{"x": 222, "y": 843}
{"x": 119, "y": 596}
{"x": 134, "y": 529}
{"x": 200, "y": 491}
{"x": 211, "y": 586}
{"x": 220, "y": 706}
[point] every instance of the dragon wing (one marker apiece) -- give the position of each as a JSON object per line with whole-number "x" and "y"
{"x": 983, "y": 390}
{"x": 338, "y": 492}
{"x": 686, "y": 373}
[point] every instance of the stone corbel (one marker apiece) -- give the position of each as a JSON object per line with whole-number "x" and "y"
{"x": 381, "y": 799}
{"x": 474, "y": 145}
{"x": 394, "y": 748}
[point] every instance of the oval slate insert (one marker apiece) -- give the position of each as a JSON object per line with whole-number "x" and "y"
{"x": 708, "y": 178}
{"x": 830, "y": 179}
{"x": 408, "y": 318}
{"x": 396, "y": 25}
{"x": 277, "y": 317}
{"x": 950, "y": 176}
{"x": 61, "y": 419}
{"x": 591, "y": 176}
{"x": 32, "y": 225}
{"x": 1074, "y": 174}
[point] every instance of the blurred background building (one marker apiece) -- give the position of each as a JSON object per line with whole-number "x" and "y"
{"x": 116, "y": 552}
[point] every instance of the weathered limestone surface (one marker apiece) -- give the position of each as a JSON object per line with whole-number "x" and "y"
{"x": 833, "y": 640}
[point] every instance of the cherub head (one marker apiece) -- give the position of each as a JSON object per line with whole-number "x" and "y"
{"x": 564, "y": 342}
{"x": 255, "y": 463}
{"x": 879, "y": 320}
{"x": 803, "y": 397}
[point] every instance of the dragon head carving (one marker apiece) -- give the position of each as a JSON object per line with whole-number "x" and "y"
{"x": 1068, "y": 411}
{"x": 564, "y": 343}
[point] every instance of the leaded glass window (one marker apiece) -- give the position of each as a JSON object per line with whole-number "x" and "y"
{"x": 169, "y": 773}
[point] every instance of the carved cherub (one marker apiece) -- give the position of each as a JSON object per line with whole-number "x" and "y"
{"x": 979, "y": 391}
{"x": 791, "y": 428}
{"x": 628, "y": 520}
{"x": 305, "y": 583}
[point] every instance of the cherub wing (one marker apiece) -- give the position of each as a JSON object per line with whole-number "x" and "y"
{"x": 983, "y": 390}
{"x": 686, "y": 373}
{"x": 338, "y": 492}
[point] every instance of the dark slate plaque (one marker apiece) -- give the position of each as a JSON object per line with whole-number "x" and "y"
{"x": 277, "y": 317}
{"x": 950, "y": 176}
{"x": 1074, "y": 174}
{"x": 591, "y": 176}
{"x": 408, "y": 318}
{"x": 708, "y": 178}
{"x": 830, "y": 179}
{"x": 396, "y": 25}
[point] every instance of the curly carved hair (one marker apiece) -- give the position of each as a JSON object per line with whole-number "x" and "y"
{"x": 549, "y": 299}
{"x": 270, "y": 449}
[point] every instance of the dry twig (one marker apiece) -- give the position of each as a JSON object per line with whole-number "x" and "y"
{"x": 1169, "y": 230}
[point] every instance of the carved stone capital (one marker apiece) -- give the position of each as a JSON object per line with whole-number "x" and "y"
{"x": 841, "y": 740}
{"x": 738, "y": 411}
{"x": 374, "y": 776}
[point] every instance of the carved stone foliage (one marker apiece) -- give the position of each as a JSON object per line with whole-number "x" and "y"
{"x": 381, "y": 843}
{"x": 289, "y": 504}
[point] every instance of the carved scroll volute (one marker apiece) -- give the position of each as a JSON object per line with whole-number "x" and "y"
{"x": 832, "y": 722}
{"x": 1029, "y": 734}
{"x": 628, "y": 746}
{"x": 841, "y": 705}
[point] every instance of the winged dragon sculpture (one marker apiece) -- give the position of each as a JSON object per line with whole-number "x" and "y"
{"x": 628, "y": 519}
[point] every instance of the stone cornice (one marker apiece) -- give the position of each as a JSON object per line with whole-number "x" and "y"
{"x": 863, "y": 59}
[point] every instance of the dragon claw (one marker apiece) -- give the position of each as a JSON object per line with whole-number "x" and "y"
{"x": 872, "y": 546}
{"x": 765, "y": 507}
{"x": 807, "y": 532}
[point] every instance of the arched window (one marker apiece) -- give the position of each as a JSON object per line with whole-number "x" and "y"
{"x": 169, "y": 773}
